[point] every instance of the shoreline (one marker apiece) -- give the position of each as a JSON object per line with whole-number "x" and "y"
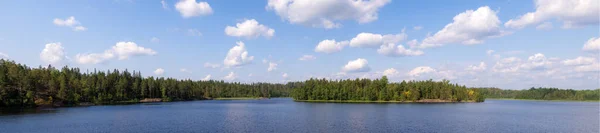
{"x": 392, "y": 101}
{"x": 564, "y": 100}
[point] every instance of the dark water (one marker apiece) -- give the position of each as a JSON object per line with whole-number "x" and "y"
{"x": 284, "y": 115}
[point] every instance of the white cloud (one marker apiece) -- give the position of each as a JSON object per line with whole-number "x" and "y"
{"x": 307, "y": 57}
{"x": 544, "y": 26}
{"x": 477, "y": 68}
{"x": 164, "y": 4}
{"x": 159, "y": 71}
{"x": 391, "y": 50}
{"x": 285, "y": 76}
{"x": 588, "y": 68}
{"x": 470, "y": 27}
{"x": 272, "y": 66}
{"x": 211, "y": 65}
{"x": 573, "y": 13}
{"x": 69, "y": 22}
{"x": 127, "y": 49}
{"x": 418, "y": 27}
{"x": 237, "y": 56}
{"x": 193, "y": 32}
{"x": 358, "y": 65}
{"x": 249, "y": 29}
{"x": 122, "y": 50}
{"x": 507, "y": 65}
{"x": 375, "y": 40}
{"x": 189, "y": 8}
{"x": 580, "y": 61}
{"x": 185, "y": 70}
{"x": 593, "y": 44}
{"x": 231, "y": 76}
{"x": 53, "y": 53}
{"x": 326, "y": 13}
{"x": 390, "y": 72}
{"x": 154, "y": 40}
{"x": 330, "y": 46}
{"x": 3, "y": 56}
{"x": 490, "y": 52}
{"x": 206, "y": 78}
{"x": 537, "y": 61}
{"x": 421, "y": 70}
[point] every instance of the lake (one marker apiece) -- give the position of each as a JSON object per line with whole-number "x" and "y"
{"x": 283, "y": 115}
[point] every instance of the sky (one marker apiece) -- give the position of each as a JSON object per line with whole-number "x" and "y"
{"x": 510, "y": 44}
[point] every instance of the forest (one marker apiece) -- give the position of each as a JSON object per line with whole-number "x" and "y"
{"x": 542, "y": 94}
{"x": 382, "y": 90}
{"x": 21, "y": 86}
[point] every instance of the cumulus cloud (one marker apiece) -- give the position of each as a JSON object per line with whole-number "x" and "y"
{"x": 206, "y": 78}
{"x": 231, "y": 76}
{"x": 159, "y": 71}
{"x": 580, "y": 61}
{"x": 285, "y": 76}
{"x": 53, "y": 53}
{"x": 375, "y": 40}
{"x": 122, "y": 50}
{"x": 470, "y": 27}
{"x": 326, "y": 13}
{"x": 272, "y": 66}
{"x": 477, "y": 68}
{"x": 249, "y": 29}
{"x": 237, "y": 56}
{"x": 420, "y": 71}
{"x": 189, "y": 8}
{"x": 573, "y": 13}
{"x": 593, "y": 44}
{"x": 537, "y": 61}
{"x": 307, "y": 57}
{"x": 507, "y": 65}
{"x": 358, "y": 65}
{"x": 390, "y": 72}
{"x": 490, "y": 52}
{"x": 69, "y": 22}
{"x": 391, "y": 50}
{"x": 588, "y": 68}
{"x": 211, "y": 65}
{"x": 330, "y": 46}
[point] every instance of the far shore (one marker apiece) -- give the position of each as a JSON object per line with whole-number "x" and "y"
{"x": 563, "y": 100}
{"x": 391, "y": 101}
{"x": 240, "y": 98}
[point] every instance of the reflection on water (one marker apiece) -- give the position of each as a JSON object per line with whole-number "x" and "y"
{"x": 284, "y": 115}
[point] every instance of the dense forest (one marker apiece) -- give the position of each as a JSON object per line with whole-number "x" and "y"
{"x": 542, "y": 94}
{"x": 21, "y": 86}
{"x": 382, "y": 90}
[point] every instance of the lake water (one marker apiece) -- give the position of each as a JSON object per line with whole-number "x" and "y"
{"x": 284, "y": 115}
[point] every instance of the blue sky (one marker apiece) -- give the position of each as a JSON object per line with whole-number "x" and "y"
{"x": 471, "y": 42}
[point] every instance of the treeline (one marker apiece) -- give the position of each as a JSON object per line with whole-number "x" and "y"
{"x": 22, "y": 86}
{"x": 542, "y": 94}
{"x": 383, "y": 90}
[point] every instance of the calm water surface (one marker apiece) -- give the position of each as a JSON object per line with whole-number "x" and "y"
{"x": 284, "y": 115}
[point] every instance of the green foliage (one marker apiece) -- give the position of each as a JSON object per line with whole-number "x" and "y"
{"x": 21, "y": 86}
{"x": 542, "y": 94}
{"x": 381, "y": 90}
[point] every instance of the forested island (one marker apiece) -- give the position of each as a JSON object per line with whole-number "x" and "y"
{"x": 381, "y": 90}
{"x": 22, "y": 86}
